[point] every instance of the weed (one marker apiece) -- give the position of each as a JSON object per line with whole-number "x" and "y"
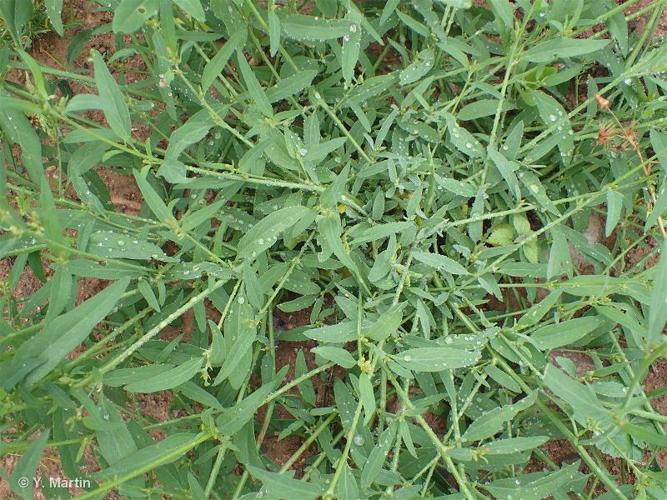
{"x": 453, "y": 208}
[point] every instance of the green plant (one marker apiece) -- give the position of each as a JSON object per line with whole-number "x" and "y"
{"x": 390, "y": 168}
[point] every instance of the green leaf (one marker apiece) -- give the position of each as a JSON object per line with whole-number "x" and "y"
{"x": 351, "y": 46}
{"x": 440, "y": 262}
{"x": 124, "y": 376}
{"x": 370, "y": 88}
{"x": 387, "y": 324}
{"x": 308, "y": 28}
{"x": 291, "y": 85}
{"x": 54, "y": 9}
{"x": 491, "y": 422}
{"x": 16, "y": 14}
{"x": 340, "y": 333}
{"x": 192, "y": 7}
{"x": 330, "y": 229}
{"x": 537, "y": 190}
{"x": 20, "y": 131}
{"x": 163, "y": 452}
{"x": 614, "y": 207}
{"x": 643, "y": 434}
{"x": 481, "y": 108}
{"x": 555, "y": 117}
{"x": 240, "y": 331}
{"x": 535, "y": 486}
{"x": 113, "y": 245}
{"x": 514, "y": 445}
{"x": 283, "y": 486}
{"x": 22, "y": 478}
{"x": 501, "y": 235}
{"x": 167, "y": 380}
{"x": 378, "y": 455}
{"x": 254, "y": 87}
{"x": 195, "y": 219}
{"x": 659, "y": 143}
{"x": 562, "y": 48}
{"x": 537, "y": 311}
{"x": 657, "y": 316}
{"x": 506, "y": 169}
{"x": 320, "y": 151}
{"x": 463, "y": 140}
{"x": 117, "y": 443}
{"x": 337, "y": 355}
{"x": 436, "y": 359}
{"x": 130, "y": 15}
{"x": 66, "y": 332}
{"x": 457, "y": 187}
{"x": 419, "y": 68}
{"x": 565, "y": 333}
{"x": 153, "y": 200}
{"x": 560, "y": 261}
{"x": 367, "y": 397}
{"x": 347, "y": 485}
{"x": 381, "y": 231}
{"x": 148, "y": 294}
{"x": 217, "y": 351}
{"x": 274, "y": 29}
{"x": 264, "y": 234}
{"x": 191, "y": 132}
{"x": 113, "y": 104}
{"x": 215, "y": 66}
{"x": 579, "y": 397}
{"x": 457, "y": 4}
{"x": 503, "y": 11}
{"x": 234, "y": 418}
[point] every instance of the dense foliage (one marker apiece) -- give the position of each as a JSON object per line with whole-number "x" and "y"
{"x": 464, "y": 202}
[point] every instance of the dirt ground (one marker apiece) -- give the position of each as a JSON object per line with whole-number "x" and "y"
{"x": 126, "y": 197}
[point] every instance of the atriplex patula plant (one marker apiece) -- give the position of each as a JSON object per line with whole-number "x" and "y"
{"x": 424, "y": 179}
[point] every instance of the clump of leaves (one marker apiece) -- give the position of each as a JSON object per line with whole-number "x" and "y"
{"x": 418, "y": 177}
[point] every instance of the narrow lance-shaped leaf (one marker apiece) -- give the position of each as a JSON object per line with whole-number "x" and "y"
{"x": 215, "y": 66}
{"x": 169, "y": 379}
{"x": 240, "y": 333}
{"x": 62, "y": 336}
{"x": 491, "y": 422}
{"x": 265, "y": 233}
{"x": 153, "y": 199}
{"x": 462, "y": 139}
{"x": 436, "y": 359}
{"x": 163, "y": 452}
{"x": 274, "y": 28}
{"x": 308, "y": 28}
{"x": 580, "y": 397}
{"x": 192, "y": 7}
{"x": 130, "y": 15}
{"x": 254, "y": 87}
{"x": 22, "y": 478}
{"x": 351, "y": 45}
{"x": 336, "y": 354}
{"x": 441, "y": 262}
{"x": 114, "y": 106}
{"x": 567, "y": 332}
{"x": 561, "y": 48}
{"x": 378, "y": 455}
{"x": 658, "y": 309}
